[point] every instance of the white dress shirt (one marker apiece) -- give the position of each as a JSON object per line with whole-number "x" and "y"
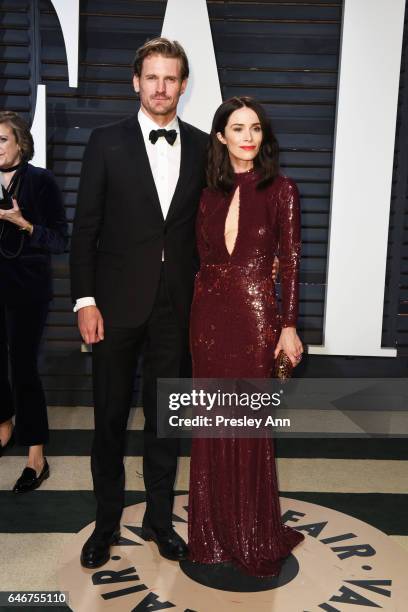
{"x": 164, "y": 160}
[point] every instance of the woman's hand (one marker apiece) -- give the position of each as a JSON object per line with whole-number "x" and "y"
{"x": 290, "y": 343}
{"x": 13, "y": 215}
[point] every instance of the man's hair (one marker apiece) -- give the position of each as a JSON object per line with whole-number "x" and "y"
{"x": 21, "y": 131}
{"x": 161, "y": 46}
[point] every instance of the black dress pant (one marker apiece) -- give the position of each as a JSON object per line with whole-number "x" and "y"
{"x": 163, "y": 345}
{"x": 21, "y": 329}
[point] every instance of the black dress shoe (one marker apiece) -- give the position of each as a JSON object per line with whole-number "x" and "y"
{"x": 8, "y": 444}
{"x": 171, "y": 545}
{"x": 96, "y": 550}
{"x": 29, "y": 480}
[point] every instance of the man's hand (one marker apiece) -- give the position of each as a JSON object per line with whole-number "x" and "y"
{"x": 275, "y": 269}
{"x": 90, "y": 324}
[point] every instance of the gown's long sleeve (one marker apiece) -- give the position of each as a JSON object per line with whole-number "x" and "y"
{"x": 52, "y": 234}
{"x": 289, "y": 251}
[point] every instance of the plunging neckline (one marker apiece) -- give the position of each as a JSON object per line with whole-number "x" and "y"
{"x": 241, "y": 179}
{"x": 237, "y": 189}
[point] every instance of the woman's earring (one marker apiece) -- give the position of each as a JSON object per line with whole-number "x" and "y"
{"x": 220, "y": 138}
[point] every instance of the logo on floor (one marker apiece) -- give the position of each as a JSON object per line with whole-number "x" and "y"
{"x": 341, "y": 561}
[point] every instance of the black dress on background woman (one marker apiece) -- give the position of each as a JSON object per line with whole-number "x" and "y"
{"x": 25, "y": 293}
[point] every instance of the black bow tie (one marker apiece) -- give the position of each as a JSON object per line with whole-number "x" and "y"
{"x": 169, "y": 135}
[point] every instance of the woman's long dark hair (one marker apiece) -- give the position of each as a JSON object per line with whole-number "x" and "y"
{"x": 220, "y": 174}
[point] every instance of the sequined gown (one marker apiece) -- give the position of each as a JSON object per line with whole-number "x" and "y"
{"x": 234, "y": 512}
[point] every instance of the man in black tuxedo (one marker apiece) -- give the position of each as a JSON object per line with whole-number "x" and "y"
{"x": 132, "y": 270}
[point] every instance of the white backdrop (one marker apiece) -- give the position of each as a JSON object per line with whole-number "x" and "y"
{"x": 187, "y": 21}
{"x": 367, "y": 101}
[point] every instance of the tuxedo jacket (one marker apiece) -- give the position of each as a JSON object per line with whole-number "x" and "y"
{"x": 119, "y": 231}
{"x": 27, "y": 278}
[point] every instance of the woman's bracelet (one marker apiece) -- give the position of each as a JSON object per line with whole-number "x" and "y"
{"x": 28, "y": 228}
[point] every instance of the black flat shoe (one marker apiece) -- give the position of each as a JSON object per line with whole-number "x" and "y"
{"x": 29, "y": 480}
{"x": 170, "y": 544}
{"x": 10, "y": 443}
{"x": 96, "y": 550}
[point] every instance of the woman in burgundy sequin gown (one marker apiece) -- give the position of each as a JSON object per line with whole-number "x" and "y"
{"x": 237, "y": 331}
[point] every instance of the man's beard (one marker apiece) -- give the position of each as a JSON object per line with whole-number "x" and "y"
{"x": 165, "y": 110}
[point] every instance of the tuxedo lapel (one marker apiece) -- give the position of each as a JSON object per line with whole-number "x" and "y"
{"x": 141, "y": 175}
{"x": 186, "y": 168}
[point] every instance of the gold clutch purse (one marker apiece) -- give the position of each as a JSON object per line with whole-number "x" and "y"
{"x": 283, "y": 366}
